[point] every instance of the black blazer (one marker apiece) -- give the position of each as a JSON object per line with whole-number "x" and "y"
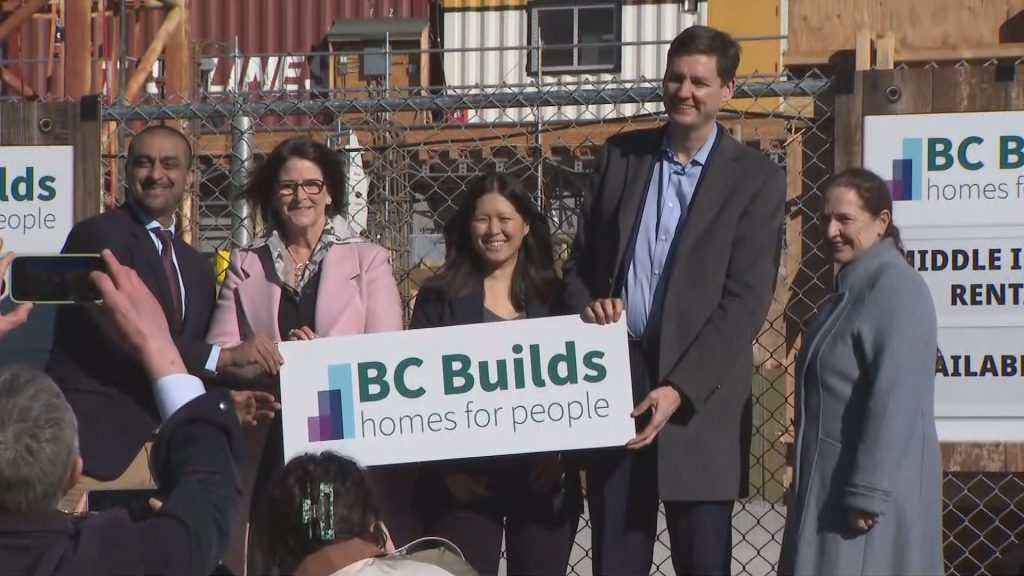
{"x": 193, "y": 460}
{"x": 107, "y": 387}
{"x": 434, "y": 310}
{"x": 722, "y": 276}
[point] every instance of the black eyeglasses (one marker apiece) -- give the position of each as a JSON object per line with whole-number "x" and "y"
{"x": 291, "y": 187}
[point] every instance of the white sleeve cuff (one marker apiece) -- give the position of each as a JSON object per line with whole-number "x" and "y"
{"x": 211, "y": 362}
{"x": 174, "y": 391}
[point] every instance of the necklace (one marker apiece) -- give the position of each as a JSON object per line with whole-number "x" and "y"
{"x": 299, "y": 266}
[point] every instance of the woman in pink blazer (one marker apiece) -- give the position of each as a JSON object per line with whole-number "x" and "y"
{"x": 307, "y": 276}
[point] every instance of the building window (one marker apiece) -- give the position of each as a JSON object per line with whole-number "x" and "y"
{"x": 582, "y": 38}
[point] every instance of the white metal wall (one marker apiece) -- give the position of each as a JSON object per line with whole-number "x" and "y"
{"x": 508, "y": 29}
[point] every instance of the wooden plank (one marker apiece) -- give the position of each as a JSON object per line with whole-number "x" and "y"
{"x": 885, "y": 52}
{"x": 967, "y": 89}
{"x": 974, "y": 457}
{"x": 849, "y": 119}
{"x": 1015, "y": 457}
{"x": 1000, "y": 52}
{"x": 862, "y": 50}
{"x": 901, "y": 91}
{"x": 927, "y": 27}
{"x": 61, "y": 123}
{"x": 88, "y": 162}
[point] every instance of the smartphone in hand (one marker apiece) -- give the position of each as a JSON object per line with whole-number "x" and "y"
{"x": 56, "y": 279}
{"x": 135, "y": 502}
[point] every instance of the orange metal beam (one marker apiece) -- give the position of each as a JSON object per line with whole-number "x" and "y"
{"x": 77, "y": 48}
{"x": 178, "y": 69}
{"x": 20, "y": 16}
{"x": 145, "y": 66}
{"x": 14, "y": 81}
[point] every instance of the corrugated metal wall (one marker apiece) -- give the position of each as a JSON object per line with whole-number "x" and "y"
{"x": 509, "y": 28}
{"x": 261, "y": 26}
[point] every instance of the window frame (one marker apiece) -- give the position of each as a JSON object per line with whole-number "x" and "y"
{"x": 533, "y": 36}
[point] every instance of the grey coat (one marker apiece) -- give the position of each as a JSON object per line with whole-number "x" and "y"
{"x": 865, "y": 427}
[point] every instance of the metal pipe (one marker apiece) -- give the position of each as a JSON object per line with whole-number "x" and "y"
{"x": 560, "y": 97}
{"x": 242, "y": 134}
{"x": 122, "y": 56}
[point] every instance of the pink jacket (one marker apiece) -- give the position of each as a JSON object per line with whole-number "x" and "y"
{"x": 357, "y": 295}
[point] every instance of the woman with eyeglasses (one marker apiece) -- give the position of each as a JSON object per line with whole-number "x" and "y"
{"x": 307, "y": 275}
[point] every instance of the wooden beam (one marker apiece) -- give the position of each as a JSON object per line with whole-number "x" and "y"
{"x": 20, "y": 16}
{"x": 885, "y": 52}
{"x": 134, "y": 87}
{"x": 77, "y": 48}
{"x": 1002, "y": 51}
{"x": 16, "y": 83}
{"x": 863, "y": 50}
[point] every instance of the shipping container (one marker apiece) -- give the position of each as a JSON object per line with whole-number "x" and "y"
{"x": 616, "y": 41}
{"x": 264, "y": 33}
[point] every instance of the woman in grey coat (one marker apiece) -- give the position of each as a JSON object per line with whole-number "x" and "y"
{"x": 866, "y": 486}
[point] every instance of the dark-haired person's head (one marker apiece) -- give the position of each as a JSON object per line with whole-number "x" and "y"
{"x": 39, "y": 459}
{"x": 159, "y": 171}
{"x": 298, "y": 187}
{"x": 856, "y": 214}
{"x": 700, "y": 76}
{"x": 498, "y": 225}
{"x": 316, "y": 501}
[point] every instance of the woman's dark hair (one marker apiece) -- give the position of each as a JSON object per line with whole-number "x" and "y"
{"x": 261, "y": 188}
{"x": 289, "y": 536}
{"x": 874, "y": 196}
{"x": 534, "y": 276}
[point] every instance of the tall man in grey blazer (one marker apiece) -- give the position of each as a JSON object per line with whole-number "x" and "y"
{"x": 681, "y": 233}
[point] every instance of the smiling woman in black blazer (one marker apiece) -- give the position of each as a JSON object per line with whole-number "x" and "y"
{"x": 499, "y": 266}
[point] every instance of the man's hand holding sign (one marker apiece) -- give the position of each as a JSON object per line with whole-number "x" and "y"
{"x": 662, "y": 402}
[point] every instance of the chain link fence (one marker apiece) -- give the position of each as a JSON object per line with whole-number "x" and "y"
{"x": 409, "y": 153}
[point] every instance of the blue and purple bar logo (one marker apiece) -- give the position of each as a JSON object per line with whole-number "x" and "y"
{"x": 336, "y": 419}
{"x": 906, "y": 171}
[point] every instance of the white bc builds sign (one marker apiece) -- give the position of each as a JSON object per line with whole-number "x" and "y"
{"x": 958, "y": 185}
{"x": 479, "y": 390}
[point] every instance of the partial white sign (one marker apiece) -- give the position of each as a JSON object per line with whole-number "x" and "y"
{"x": 36, "y": 197}
{"x": 478, "y": 390}
{"x": 958, "y": 185}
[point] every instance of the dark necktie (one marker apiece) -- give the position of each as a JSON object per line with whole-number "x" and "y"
{"x": 167, "y": 258}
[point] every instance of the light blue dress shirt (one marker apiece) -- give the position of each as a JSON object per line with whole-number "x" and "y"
{"x": 664, "y": 214}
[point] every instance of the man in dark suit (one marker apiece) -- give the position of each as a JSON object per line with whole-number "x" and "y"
{"x": 105, "y": 385}
{"x": 681, "y": 233}
{"x": 193, "y": 458}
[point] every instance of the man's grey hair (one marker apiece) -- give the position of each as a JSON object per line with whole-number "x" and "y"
{"x": 38, "y": 441}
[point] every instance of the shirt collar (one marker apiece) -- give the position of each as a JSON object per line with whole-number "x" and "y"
{"x": 700, "y": 158}
{"x": 151, "y": 223}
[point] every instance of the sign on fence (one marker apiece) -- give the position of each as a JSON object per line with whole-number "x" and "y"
{"x": 958, "y": 183}
{"x": 478, "y": 390}
{"x": 36, "y": 197}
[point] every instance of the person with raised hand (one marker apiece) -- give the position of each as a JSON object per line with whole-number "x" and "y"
{"x": 193, "y": 458}
{"x": 19, "y": 315}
